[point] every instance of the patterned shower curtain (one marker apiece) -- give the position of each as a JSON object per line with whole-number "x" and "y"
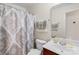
{"x": 16, "y": 31}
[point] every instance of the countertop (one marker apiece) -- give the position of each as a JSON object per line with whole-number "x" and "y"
{"x": 59, "y": 49}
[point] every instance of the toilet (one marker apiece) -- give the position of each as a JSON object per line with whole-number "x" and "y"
{"x": 39, "y": 48}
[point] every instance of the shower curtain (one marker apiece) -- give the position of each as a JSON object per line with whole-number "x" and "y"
{"x": 16, "y": 31}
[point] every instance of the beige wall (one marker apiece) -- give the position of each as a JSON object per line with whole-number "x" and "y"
{"x": 42, "y": 10}
{"x": 58, "y": 14}
{"x": 43, "y": 13}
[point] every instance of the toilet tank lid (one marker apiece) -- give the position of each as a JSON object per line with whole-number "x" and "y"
{"x": 40, "y": 41}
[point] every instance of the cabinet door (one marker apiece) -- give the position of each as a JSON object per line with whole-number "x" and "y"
{"x": 48, "y": 52}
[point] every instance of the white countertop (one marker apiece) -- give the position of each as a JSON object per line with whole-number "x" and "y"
{"x": 59, "y": 49}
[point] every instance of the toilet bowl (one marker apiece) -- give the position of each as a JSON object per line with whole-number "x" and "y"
{"x": 39, "y": 48}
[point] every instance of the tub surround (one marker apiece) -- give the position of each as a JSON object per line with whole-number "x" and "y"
{"x": 57, "y": 48}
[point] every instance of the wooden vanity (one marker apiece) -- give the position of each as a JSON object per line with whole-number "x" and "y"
{"x": 48, "y": 52}
{"x": 47, "y": 49}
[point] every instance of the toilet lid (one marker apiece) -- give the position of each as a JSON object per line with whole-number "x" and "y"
{"x": 34, "y": 52}
{"x": 40, "y": 41}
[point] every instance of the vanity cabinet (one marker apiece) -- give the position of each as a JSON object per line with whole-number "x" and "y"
{"x": 48, "y": 52}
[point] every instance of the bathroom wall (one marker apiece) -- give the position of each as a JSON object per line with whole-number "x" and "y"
{"x": 42, "y": 10}
{"x": 58, "y": 14}
{"x": 43, "y": 13}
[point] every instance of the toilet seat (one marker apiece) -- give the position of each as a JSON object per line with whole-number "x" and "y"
{"x": 34, "y": 52}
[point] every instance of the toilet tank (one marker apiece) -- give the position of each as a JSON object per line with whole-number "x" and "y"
{"x": 39, "y": 44}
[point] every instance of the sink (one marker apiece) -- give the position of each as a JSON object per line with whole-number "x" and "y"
{"x": 62, "y": 47}
{"x": 67, "y": 47}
